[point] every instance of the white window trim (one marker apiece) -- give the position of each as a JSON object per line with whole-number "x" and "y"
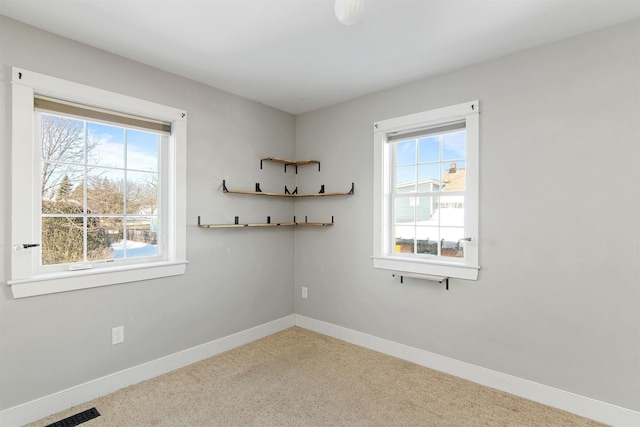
{"x": 383, "y": 256}
{"x": 24, "y": 282}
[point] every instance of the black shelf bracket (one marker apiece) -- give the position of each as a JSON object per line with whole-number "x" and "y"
{"x": 439, "y": 279}
{"x": 292, "y": 164}
{"x": 286, "y": 190}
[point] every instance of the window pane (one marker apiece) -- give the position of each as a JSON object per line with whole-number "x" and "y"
{"x": 451, "y": 211}
{"x": 454, "y": 145}
{"x": 405, "y": 238}
{"x": 427, "y": 240}
{"x": 102, "y": 232}
{"x": 105, "y": 193}
{"x": 404, "y": 210}
{"x": 454, "y": 177}
{"x": 142, "y": 150}
{"x": 63, "y": 190}
{"x": 105, "y": 145}
{"x": 451, "y": 242}
{"x": 429, "y": 149}
{"x": 429, "y": 177}
{"x": 142, "y": 193}
{"x": 425, "y": 209}
{"x": 406, "y": 152}
{"x": 62, "y": 240}
{"x": 142, "y": 238}
{"x": 62, "y": 139}
{"x": 406, "y": 175}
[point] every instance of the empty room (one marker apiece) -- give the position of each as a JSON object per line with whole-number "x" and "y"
{"x": 319, "y": 212}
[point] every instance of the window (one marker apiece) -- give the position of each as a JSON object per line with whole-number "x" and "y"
{"x": 98, "y": 185}
{"x": 426, "y": 192}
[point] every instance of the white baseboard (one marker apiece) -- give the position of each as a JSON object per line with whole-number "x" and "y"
{"x": 570, "y": 402}
{"x": 45, "y": 406}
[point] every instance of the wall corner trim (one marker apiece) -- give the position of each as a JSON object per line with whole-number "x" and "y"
{"x": 567, "y": 401}
{"x": 56, "y": 402}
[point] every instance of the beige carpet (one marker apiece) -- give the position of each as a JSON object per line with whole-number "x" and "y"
{"x": 300, "y": 378}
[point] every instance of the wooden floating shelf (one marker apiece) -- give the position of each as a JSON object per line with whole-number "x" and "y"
{"x": 279, "y": 224}
{"x": 268, "y": 224}
{"x": 263, "y": 193}
{"x": 286, "y": 163}
{"x": 295, "y": 193}
{"x": 439, "y": 279}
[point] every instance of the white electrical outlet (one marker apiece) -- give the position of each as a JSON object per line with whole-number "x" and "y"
{"x": 117, "y": 335}
{"x": 304, "y": 292}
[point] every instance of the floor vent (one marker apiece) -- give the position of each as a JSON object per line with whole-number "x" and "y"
{"x": 77, "y": 419}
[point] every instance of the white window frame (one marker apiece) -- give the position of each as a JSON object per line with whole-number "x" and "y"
{"x": 384, "y": 257}
{"x": 25, "y": 280}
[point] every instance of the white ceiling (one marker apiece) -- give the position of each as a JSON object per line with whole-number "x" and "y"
{"x": 295, "y": 56}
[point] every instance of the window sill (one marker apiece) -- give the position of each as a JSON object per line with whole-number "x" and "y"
{"x": 73, "y": 280}
{"x": 426, "y": 267}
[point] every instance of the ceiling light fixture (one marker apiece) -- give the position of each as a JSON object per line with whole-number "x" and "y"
{"x": 349, "y": 11}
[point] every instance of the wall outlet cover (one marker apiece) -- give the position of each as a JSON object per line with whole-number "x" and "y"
{"x": 117, "y": 335}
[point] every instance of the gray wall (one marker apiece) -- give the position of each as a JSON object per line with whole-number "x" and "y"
{"x": 558, "y": 296}
{"x": 50, "y": 343}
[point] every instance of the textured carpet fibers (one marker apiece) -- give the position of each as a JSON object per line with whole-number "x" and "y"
{"x": 300, "y": 378}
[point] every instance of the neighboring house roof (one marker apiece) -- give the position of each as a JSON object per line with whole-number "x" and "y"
{"x": 454, "y": 179}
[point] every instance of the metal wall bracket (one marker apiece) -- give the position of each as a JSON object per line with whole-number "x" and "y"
{"x": 439, "y": 279}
